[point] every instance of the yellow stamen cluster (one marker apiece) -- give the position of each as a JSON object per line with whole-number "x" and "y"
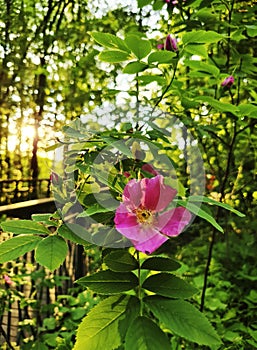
{"x": 144, "y": 216}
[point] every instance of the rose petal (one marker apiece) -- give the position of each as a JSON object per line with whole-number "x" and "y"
{"x": 157, "y": 195}
{"x": 132, "y": 194}
{"x": 172, "y": 222}
{"x": 124, "y": 217}
{"x": 144, "y": 237}
{"x": 151, "y": 244}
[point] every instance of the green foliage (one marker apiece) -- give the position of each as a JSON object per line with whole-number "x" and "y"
{"x": 144, "y": 334}
{"x": 215, "y": 40}
{"x": 168, "y": 285}
{"x": 184, "y": 319}
{"x": 106, "y": 325}
{"x": 51, "y": 252}
{"x": 109, "y": 282}
{"x": 120, "y": 261}
{"x": 18, "y": 246}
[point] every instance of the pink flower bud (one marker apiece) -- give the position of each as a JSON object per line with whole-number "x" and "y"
{"x": 171, "y": 44}
{"x": 149, "y": 169}
{"x": 126, "y": 174}
{"x": 228, "y": 82}
{"x": 54, "y": 178}
{"x": 8, "y": 280}
{"x": 160, "y": 46}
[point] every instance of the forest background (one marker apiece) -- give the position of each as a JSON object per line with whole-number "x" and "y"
{"x": 57, "y": 70}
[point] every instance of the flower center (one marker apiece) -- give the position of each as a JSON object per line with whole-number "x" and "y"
{"x": 144, "y": 216}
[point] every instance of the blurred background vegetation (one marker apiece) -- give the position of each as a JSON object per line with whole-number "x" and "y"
{"x": 50, "y": 74}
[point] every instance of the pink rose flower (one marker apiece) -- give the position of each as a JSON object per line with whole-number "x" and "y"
{"x": 140, "y": 216}
{"x": 228, "y": 82}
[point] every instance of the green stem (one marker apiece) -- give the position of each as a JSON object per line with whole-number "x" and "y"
{"x": 167, "y": 87}
{"x": 139, "y": 290}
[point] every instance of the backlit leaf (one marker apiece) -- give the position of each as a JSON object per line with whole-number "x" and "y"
{"x": 107, "y": 323}
{"x": 202, "y": 37}
{"x": 161, "y": 57}
{"x": 15, "y": 247}
{"x": 134, "y": 67}
{"x": 51, "y": 252}
{"x": 113, "y": 56}
{"x": 168, "y": 285}
{"x": 110, "y": 40}
{"x": 183, "y": 319}
{"x": 109, "y": 282}
{"x": 24, "y": 227}
{"x": 140, "y": 47}
{"x": 144, "y": 334}
{"x": 201, "y": 213}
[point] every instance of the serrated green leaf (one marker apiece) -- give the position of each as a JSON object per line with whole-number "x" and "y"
{"x": 114, "y": 56}
{"x": 183, "y": 319}
{"x": 251, "y": 30}
{"x": 248, "y": 110}
{"x": 213, "y": 202}
{"x": 147, "y": 79}
{"x": 46, "y": 219}
{"x": 158, "y": 263}
{"x": 161, "y": 57}
{"x": 70, "y": 235}
{"x": 168, "y": 285}
{"x": 140, "y": 47}
{"x": 121, "y": 261}
{"x": 203, "y": 67}
{"x": 110, "y": 40}
{"x": 106, "y": 324}
{"x": 120, "y": 145}
{"x": 24, "y": 227}
{"x": 17, "y": 246}
{"x": 51, "y": 252}
{"x": 144, "y": 334}
{"x": 219, "y": 106}
{"x": 201, "y": 37}
{"x": 109, "y": 282}
{"x": 197, "y": 49}
{"x": 134, "y": 67}
{"x": 201, "y": 213}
